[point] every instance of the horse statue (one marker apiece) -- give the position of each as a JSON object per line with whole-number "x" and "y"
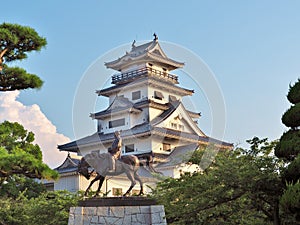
{"x": 113, "y": 164}
{"x": 100, "y": 162}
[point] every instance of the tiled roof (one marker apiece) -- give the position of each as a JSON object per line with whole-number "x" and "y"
{"x": 149, "y": 51}
{"x": 181, "y": 134}
{"x": 193, "y": 114}
{"x": 138, "y": 50}
{"x": 179, "y": 155}
{"x": 69, "y": 165}
{"x": 142, "y": 129}
{"x": 98, "y": 137}
{"x": 134, "y": 106}
{"x": 118, "y": 105}
{"x": 165, "y": 114}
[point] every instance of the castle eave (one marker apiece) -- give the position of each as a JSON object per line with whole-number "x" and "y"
{"x": 194, "y": 114}
{"x": 151, "y": 81}
{"x": 100, "y": 138}
{"x": 141, "y": 131}
{"x": 108, "y": 113}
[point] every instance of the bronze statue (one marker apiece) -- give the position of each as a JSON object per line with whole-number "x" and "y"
{"x": 111, "y": 164}
{"x": 115, "y": 151}
{"x": 126, "y": 164}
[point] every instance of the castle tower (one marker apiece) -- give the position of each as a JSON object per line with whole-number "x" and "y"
{"x": 145, "y": 104}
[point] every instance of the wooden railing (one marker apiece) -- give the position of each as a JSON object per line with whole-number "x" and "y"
{"x": 146, "y": 71}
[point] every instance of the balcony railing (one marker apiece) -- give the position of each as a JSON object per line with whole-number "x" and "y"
{"x": 146, "y": 71}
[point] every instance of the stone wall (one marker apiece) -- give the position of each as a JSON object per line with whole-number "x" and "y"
{"x": 118, "y": 215}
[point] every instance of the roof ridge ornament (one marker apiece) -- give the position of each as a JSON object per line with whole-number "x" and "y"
{"x": 155, "y": 37}
{"x": 133, "y": 44}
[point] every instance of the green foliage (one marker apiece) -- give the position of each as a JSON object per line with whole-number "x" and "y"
{"x": 240, "y": 187}
{"x": 289, "y": 145}
{"x": 290, "y": 203}
{"x": 15, "y": 185}
{"x": 15, "y": 78}
{"x": 294, "y": 93}
{"x": 50, "y": 208}
{"x": 292, "y": 171}
{"x": 291, "y": 118}
{"x": 15, "y": 42}
{"x": 204, "y": 155}
{"x": 14, "y": 136}
{"x": 288, "y": 148}
{"x": 19, "y": 156}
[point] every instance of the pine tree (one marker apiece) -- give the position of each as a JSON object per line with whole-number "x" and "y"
{"x": 15, "y": 42}
{"x": 288, "y": 149}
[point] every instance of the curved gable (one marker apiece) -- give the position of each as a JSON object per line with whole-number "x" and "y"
{"x": 175, "y": 118}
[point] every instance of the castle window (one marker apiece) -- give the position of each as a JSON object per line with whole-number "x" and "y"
{"x": 166, "y": 147}
{"x": 116, "y": 123}
{"x": 158, "y": 95}
{"x": 172, "y": 98}
{"x": 174, "y": 125}
{"x": 180, "y": 127}
{"x": 129, "y": 148}
{"x": 117, "y": 191}
{"x": 99, "y": 126}
{"x": 136, "y": 95}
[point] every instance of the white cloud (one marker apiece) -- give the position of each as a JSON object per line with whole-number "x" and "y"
{"x": 33, "y": 119}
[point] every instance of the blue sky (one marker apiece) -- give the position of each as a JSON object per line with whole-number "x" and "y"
{"x": 252, "y": 47}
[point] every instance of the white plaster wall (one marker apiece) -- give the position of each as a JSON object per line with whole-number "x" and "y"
{"x": 115, "y": 182}
{"x": 151, "y": 95}
{"x": 84, "y": 183}
{"x": 139, "y": 118}
{"x": 165, "y": 93}
{"x": 158, "y": 67}
{"x": 181, "y": 124}
{"x": 182, "y": 121}
{"x": 131, "y": 120}
{"x": 153, "y": 113}
{"x": 70, "y": 183}
{"x": 105, "y": 123}
{"x": 157, "y": 145}
{"x": 127, "y": 93}
{"x": 124, "y": 183}
{"x": 140, "y": 144}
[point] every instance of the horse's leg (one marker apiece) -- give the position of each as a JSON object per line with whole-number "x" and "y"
{"x": 131, "y": 178}
{"x": 137, "y": 177}
{"x": 91, "y": 183}
{"x": 100, "y": 185}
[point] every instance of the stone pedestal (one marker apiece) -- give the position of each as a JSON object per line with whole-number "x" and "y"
{"x": 117, "y": 211}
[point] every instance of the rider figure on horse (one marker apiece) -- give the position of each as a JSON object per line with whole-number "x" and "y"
{"x": 115, "y": 150}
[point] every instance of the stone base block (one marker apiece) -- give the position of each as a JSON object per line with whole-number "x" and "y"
{"x": 117, "y": 215}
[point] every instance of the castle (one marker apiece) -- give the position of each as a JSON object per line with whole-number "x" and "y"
{"x": 145, "y": 104}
